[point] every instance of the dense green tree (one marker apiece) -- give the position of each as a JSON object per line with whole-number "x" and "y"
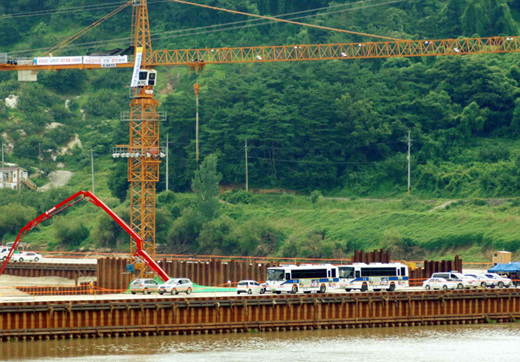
{"x": 13, "y": 217}
{"x": 205, "y": 184}
{"x": 69, "y": 233}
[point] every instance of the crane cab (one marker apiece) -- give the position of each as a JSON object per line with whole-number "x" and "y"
{"x": 147, "y": 77}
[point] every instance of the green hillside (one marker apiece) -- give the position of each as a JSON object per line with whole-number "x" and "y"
{"x": 332, "y": 128}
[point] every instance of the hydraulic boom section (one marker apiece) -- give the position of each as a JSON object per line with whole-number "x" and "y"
{"x": 139, "y": 254}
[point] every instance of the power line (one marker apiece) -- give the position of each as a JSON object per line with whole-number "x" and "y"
{"x": 283, "y": 15}
{"x": 70, "y": 10}
{"x": 262, "y": 148}
{"x": 281, "y": 160}
{"x": 61, "y": 11}
{"x": 284, "y": 20}
{"x": 201, "y": 30}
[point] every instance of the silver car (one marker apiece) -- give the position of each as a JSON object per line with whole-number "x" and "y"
{"x": 145, "y": 286}
{"x": 481, "y": 280}
{"x": 499, "y": 281}
{"x": 175, "y": 286}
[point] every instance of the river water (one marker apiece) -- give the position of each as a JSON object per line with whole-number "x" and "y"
{"x": 494, "y": 342}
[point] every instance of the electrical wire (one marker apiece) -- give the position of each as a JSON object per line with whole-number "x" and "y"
{"x": 283, "y": 20}
{"x": 249, "y": 21}
{"x": 88, "y": 28}
{"x": 260, "y": 148}
{"x": 70, "y": 10}
{"x": 61, "y": 11}
{"x": 200, "y": 30}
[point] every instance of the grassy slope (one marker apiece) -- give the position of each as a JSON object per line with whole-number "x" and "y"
{"x": 411, "y": 228}
{"x": 470, "y": 230}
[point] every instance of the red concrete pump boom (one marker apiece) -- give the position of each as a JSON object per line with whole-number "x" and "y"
{"x": 139, "y": 254}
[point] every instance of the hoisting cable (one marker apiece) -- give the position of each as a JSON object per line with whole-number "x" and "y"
{"x": 87, "y": 29}
{"x": 282, "y": 20}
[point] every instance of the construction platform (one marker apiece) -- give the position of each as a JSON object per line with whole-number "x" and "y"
{"x": 143, "y": 317}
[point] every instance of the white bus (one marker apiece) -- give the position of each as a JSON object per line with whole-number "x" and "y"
{"x": 373, "y": 276}
{"x": 306, "y": 278}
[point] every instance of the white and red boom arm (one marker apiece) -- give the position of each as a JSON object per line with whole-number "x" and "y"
{"x": 140, "y": 253}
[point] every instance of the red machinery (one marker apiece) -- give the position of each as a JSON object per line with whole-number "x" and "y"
{"x": 139, "y": 254}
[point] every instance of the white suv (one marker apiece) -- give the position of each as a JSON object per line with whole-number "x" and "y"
{"x": 175, "y": 286}
{"x": 462, "y": 281}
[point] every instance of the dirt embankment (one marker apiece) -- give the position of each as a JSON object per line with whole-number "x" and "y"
{"x": 57, "y": 179}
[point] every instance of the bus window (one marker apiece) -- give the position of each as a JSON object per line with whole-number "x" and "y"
{"x": 403, "y": 271}
{"x": 275, "y": 274}
{"x": 346, "y": 272}
{"x": 287, "y": 276}
{"x": 333, "y": 273}
{"x": 358, "y": 273}
{"x": 328, "y": 273}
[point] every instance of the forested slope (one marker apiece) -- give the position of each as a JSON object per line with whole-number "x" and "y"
{"x": 334, "y": 126}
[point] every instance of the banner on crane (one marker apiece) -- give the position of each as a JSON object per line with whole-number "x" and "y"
{"x": 103, "y": 60}
{"x": 137, "y": 66}
{"x": 58, "y": 60}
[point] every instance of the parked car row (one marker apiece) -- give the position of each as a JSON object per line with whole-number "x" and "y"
{"x": 172, "y": 286}
{"x": 19, "y": 256}
{"x": 454, "y": 280}
{"x": 184, "y": 285}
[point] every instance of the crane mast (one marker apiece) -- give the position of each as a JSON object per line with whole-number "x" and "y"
{"x": 143, "y": 150}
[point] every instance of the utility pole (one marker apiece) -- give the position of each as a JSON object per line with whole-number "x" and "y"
{"x": 167, "y": 163}
{"x": 196, "y": 88}
{"x": 92, "y": 170}
{"x": 409, "y": 140}
{"x": 40, "y": 157}
{"x": 247, "y": 176}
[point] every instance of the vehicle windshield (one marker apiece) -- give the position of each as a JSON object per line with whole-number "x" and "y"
{"x": 172, "y": 281}
{"x": 275, "y": 274}
{"x": 346, "y": 272}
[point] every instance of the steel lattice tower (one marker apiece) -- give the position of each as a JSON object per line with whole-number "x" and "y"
{"x": 143, "y": 150}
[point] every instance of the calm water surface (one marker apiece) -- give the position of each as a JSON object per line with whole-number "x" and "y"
{"x": 498, "y": 342}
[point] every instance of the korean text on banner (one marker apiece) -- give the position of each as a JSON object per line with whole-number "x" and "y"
{"x": 58, "y": 60}
{"x": 105, "y": 59}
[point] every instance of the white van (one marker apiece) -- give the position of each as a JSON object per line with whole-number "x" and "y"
{"x": 462, "y": 281}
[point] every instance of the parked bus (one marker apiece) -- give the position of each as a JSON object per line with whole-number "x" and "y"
{"x": 373, "y": 276}
{"x": 306, "y": 278}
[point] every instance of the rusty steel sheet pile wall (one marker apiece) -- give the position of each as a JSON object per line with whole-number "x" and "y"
{"x": 112, "y": 273}
{"x": 69, "y": 271}
{"x": 376, "y": 256}
{"x": 265, "y": 313}
{"x": 430, "y": 267}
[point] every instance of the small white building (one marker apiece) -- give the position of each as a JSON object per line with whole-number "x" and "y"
{"x": 13, "y": 178}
